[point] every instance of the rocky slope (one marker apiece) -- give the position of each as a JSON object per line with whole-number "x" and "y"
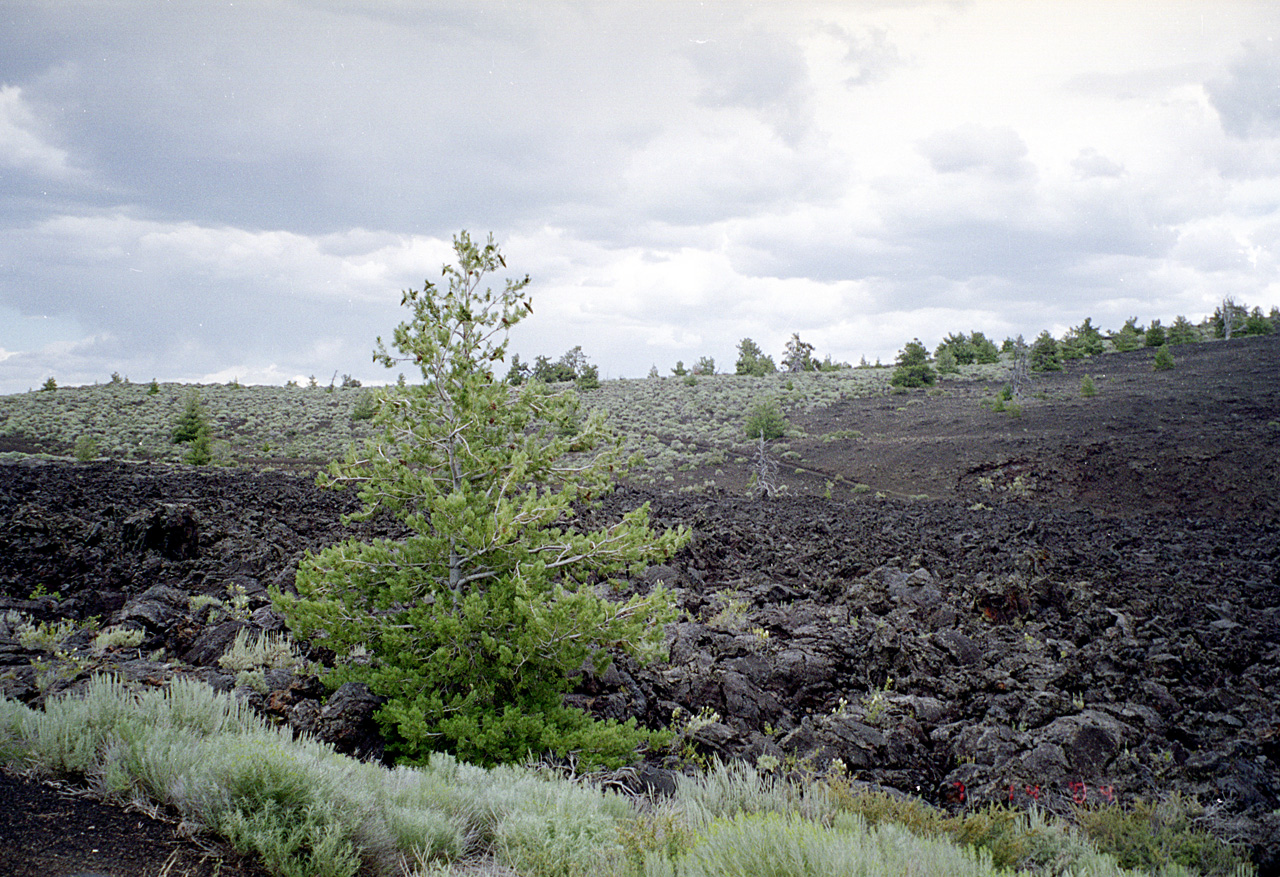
{"x": 987, "y": 644}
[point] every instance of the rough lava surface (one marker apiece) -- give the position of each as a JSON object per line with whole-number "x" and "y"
{"x": 1076, "y": 602}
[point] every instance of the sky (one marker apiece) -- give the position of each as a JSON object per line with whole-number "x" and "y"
{"x": 208, "y": 191}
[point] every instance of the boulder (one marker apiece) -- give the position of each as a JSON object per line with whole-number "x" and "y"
{"x": 1089, "y": 740}
{"x": 158, "y": 609}
{"x": 347, "y": 721}
{"x": 170, "y": 529}
{"x": 212, "y": 643}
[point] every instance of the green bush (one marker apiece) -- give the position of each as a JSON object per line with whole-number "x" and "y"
{"x": 913, "y": 368}
{"x": 1163, "y": 360}
{"x": 1257, "y": 324}
{"x": 193, "y": 422}
{"x": 752, "y": 360}
{"x": 766, "y": 419}
{"x": 1083, "y": 340}
{"x": 776, "y": 845}
{"x": 1156, "y": 836}
{"x": 549, "y": 372}
{"x": 589, "y": 378}
{"x": 1155, "y": 336}
{"x": 251, "y": 651}
{"x": 477, "y": 618}
{"x": 1044, "y": 356}
{"x": 296, "y": 805}
{"x": 519, "y": 371}
{"x": 1229, "y": 318}
{"x": 301, "y": 809}
{"x": 1087, "y": 387}
{"x": 199, "y": 452}
{"x": 86, "y": 448}
{"x": 961, "y": 348}
{"x": 1130, "y": 337}
{"x": 984, "y": 349}
{"x": 799, "y": 355}
{"x": 366, "y": 406}
{"x": 49, "y": 385}
{"x": 1181, "y": 332}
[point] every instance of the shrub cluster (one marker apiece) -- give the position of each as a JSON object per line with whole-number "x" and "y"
{"x": 300, "y": 809}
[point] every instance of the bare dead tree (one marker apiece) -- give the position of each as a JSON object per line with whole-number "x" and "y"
{"x": 1233, "y": 316}
{"x": 764, "y": 474}
{"x": 1020, "y": 375}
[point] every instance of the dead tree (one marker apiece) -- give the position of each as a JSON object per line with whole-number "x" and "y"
{"x": 1020, "y": 375}
{"x": 764, "y": 473}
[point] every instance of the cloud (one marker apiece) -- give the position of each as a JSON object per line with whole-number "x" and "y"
{"x": 998, "y": 152}
{"x": 22, "y": 142}
{"x": 1091, "y": 163}
{"x": 1248, "y": 100}
{"x": 182, "y": 300}
{"x": 202, "y": 190}
{"x": 869, "y": 53}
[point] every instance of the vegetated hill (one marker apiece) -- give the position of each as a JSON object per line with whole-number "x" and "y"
{"x": 1173, "y": 439}
{"x": 1086, "y": 606}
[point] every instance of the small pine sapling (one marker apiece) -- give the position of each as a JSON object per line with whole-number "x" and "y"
{"x": 766, "y": 421}
{"x": 913, "y": 368}
{"x": 476, "y": 620}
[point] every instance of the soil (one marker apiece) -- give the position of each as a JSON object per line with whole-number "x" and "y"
{"x": 1074, "y": 602}
{"x": 54, "y": 830}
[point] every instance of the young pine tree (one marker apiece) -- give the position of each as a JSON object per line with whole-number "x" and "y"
{"x": 752, "y": 360}
{"x": 192, "y": 429}
{"x": 913, "y": 368}
{"x": 475, "y": 620}
{"x": 1044, "y": 354}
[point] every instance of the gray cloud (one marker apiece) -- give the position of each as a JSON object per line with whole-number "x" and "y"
{"x": 1091, "y": 163}
{"x": 869, "y": 51}
{"x": 998, "y": 151}
{"x": 1248, "y": 100}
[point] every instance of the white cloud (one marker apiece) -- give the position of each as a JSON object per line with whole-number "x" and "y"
{"x": 997, "y": 151}
{"x": 22, "y": 144}
{"x": 1091, "y": 163}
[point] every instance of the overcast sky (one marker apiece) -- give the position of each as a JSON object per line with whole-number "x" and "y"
{"x": 202, "y": 191}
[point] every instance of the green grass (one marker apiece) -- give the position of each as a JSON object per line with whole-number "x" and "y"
{"x": 303, "y": 810}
